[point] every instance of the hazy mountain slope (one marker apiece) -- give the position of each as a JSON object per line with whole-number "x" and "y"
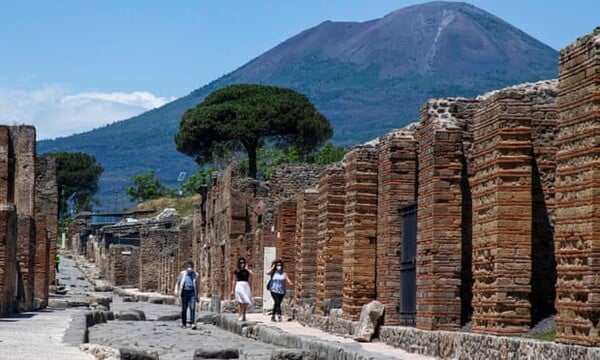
{"x": 365, "y": 77}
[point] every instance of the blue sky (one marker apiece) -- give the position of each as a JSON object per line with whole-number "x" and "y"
{"x": 69, "y": 66}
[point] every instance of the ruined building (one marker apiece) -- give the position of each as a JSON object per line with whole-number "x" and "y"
{"x": 483, "y": 215}
{"x": 29, "y": 213}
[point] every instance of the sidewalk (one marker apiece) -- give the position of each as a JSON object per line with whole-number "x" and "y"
{"x": 295, "y": 328}
{"x": 38, "y": 335}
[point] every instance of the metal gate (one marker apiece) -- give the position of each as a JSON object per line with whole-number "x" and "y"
{"x": 408, "y": 273}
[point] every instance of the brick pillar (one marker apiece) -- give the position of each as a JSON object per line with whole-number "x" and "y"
{"x": 397, "y": 168}
{"x": 46, "y": 224}
{"x": 285, "y": 242}
{"x": 8, "y": 258}
{"x": 330, "y": 244}
{"x": 443, "y": 236}
{"x": 306, "y": 244}
{"x": 502, "y": 214}
{"x": 577, "y": 194}
{"x": 23, "y": 143}
{"x": 360, "y": 228}
{"x": 26, "y": 256}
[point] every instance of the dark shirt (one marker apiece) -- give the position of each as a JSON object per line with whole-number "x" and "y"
{"x": 242, "y": 275}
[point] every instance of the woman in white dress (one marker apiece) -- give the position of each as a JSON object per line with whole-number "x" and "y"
{"x": 241, "y": 288}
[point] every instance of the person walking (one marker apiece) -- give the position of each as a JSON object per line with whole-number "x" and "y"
{"x": 57, "y": 262}
{"x": 279, "y": 278}
{"x": 187, "y": 288}
{"x": 240, "y": 287}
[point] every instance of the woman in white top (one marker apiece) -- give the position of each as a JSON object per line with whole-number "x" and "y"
{"x": 279, "y": 278}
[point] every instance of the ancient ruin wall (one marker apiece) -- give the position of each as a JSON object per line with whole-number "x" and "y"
{"x": 330, "y": 243}
{"x": 8, "y": 258}
{"x": 46, "y": 224}
{"x": 288, "y": 180}
{"x": 26, "y": 257}
{"x": 124, "y": 268}
{"x": 154, "y": 243}
{"x": 504, "y": 190}
{"x": 397, "y": 186}
{"x": 443, "y": 245}
{"x": 360, "y": 228}
{"x": 285, "y": 239}
{"x": 577, "y": 226}
{"x": 306, "y": 244}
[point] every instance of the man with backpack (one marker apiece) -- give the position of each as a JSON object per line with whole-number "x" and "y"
{"x": 187, "y": 288}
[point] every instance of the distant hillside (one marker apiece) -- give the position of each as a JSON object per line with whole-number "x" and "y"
{"x": 367, "y": 78}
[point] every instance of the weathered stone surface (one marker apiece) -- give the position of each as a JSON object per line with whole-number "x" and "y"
{"x": 101, "y": 352}
{"x": 370, "y": 319}
{"x": 135, "y": 354}
{"x": 131, "y": 315}
{"x": 293, "y": 355}
{"x": 218, "y": 352}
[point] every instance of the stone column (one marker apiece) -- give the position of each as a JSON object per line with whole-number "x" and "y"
{"x": 443, "y": 230}
{"x": 330, "y": 246}
{"x": 360, "y": 227}
{"x": 306, "y": 245}
{"x": 578, "y": 193}
{"x": 397, "y": 169}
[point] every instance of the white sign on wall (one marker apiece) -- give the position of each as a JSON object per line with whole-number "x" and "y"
{"x": 269, "y": 257}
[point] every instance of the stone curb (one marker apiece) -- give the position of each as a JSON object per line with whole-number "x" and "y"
{"x": 273, "y": 335}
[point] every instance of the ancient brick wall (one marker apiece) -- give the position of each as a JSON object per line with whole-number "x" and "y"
{"x": 285, "y": 239}
{"x": 306, "y": 244}
{"x": 8, "y": 258}
{"x": 154, "y": 243}
{"x": 397, "y": 186}
{"x": 360, "y": 228}
{"x": 46, "y": 224}
{"x": 503, "y": 197}
{"x": 26, "y": 257}
{"x": 443, "y": 241}
{"x": 23, "y": 144}
{"x": 577, "y": 229}
{"x": 288, "y": 180}
{"x": 124, "y": 268}
{"x": 330, "y": 243}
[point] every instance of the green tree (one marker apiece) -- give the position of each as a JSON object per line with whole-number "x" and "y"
{"x": 193, "y": 183}
{"x": 241, "y": 116}
{"x": 77, "y": 179}
{"x": 329, "y": 154}
{"x": 146, "y": 186}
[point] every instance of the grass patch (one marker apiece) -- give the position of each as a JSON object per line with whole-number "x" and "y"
{"x": 546, "y": 336}
{"x": 183, "y": 205}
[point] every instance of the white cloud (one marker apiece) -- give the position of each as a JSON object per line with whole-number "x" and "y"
{"x": 55, "y": 113}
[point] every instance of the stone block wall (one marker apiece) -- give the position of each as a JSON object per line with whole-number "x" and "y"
{"x": 8, "y": 258}
{"x": 124, "y": 268}
{"x": 23, "y": 145}
{"x": 577, "y": 229}
{"x": 360, "y": 228}
{"x": 397, "y": 186}
{"x": 306, "y": 245}
{"x": 330, "y": 243}
{"x": 154, "y": 244}
{"x": 443, "y": 242}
